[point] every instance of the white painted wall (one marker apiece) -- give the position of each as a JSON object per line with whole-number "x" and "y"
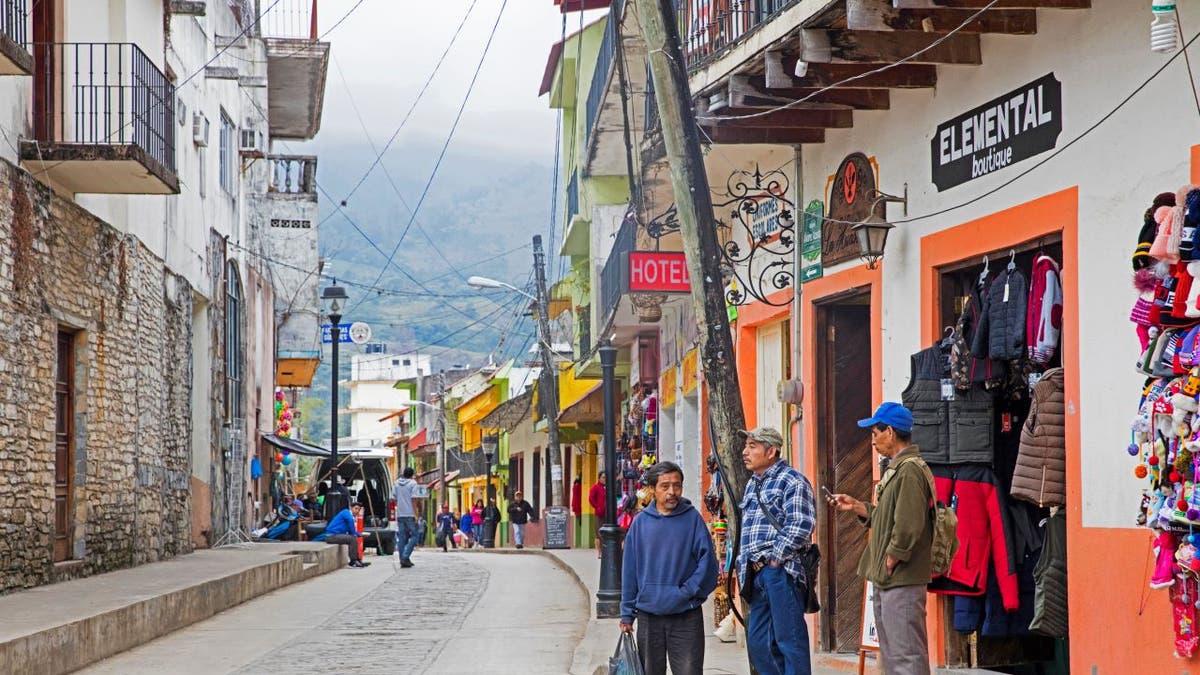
{"x": 1100, "y": 56}
{"x": 390, "y": 367}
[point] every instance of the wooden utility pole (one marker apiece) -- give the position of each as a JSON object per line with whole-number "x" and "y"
{"x": 693, "y": 205}
{"x": 549, "y": 389}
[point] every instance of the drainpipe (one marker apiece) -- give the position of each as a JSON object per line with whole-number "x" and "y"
{"x": 794, "y": 389}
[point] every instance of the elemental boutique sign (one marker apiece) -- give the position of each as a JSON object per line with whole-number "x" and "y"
{"x": 1014, "y": 127}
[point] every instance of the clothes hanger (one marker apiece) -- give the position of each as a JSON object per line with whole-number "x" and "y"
{"x": 947, "y": 337}
{"x": 1012, "y": 260}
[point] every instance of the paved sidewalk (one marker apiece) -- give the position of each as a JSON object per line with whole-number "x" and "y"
{"x": 108, "y": 613}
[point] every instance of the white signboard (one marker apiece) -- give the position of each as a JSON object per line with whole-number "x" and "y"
{"x": 556, "y": 472}
{"x": 870, "y": 635}
{"x": 679, "y": 453}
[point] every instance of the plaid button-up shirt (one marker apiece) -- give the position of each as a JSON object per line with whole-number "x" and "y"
{"x": 789, "y": 496}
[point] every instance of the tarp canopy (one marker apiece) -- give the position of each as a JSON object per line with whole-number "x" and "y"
{"x": 296, "y": 447}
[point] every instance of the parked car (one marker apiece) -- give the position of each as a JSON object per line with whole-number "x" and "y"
{"x": 365, "y": 474}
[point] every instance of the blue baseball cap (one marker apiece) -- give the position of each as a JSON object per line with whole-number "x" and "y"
{"x": 892, "y": 414}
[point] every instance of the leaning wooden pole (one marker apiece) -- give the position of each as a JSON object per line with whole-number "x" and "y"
{"x": 693, "y": 205}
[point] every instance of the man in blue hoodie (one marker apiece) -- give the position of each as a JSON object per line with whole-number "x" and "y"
{"x": 343, "y": 530}
{"x": 668, "y": 571}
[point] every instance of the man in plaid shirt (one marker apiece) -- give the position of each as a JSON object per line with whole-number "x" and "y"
{"x": 769, "y": 567}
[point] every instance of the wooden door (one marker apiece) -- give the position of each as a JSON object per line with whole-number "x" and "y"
{"x": 844, "y": 460}
{"x": 45, "y": 69}
{"x": 64, "y": 446}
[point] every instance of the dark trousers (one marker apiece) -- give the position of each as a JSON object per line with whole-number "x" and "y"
{"x": 777, "y": 636}
{"x": 349, "y": 540}
{"x": 678, "y": 638}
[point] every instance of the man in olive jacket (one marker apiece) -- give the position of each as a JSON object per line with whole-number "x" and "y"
{"x": 897, "y": 559}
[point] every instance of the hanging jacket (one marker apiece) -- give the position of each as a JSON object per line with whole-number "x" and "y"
{"x": 1043, "y": 317}
{"x": 981, "y": 534}
{"x": 1002, "y": 329}
{"x": 1050, "y": 593}
{"x": 948, "y": 432}
{"x": 965, "y": 367}
{"x": 1041, "y": 473}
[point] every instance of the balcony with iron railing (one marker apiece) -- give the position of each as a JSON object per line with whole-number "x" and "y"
{"x": 614, "y": 277}
{"x": 15, "y": 58}
{"x": 604, "y": 66}
{"x": 103, "y": 120}
{"x": 297, "y": 66}
{"x": 708, "y": 28}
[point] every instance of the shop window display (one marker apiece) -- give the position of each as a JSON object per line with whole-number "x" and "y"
{"x": 988, "y": 416}
{"x": 1166, "y": 430}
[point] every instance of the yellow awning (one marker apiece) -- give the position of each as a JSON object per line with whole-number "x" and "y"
{"x": 571, "y": 390}
{"x": 477, "y": 408}
{"x": 295, "y": 372}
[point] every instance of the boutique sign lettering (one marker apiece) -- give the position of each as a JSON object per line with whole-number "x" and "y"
{"x": 1014, "y": 127}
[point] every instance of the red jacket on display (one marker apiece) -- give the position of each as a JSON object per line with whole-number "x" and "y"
{"x": 981, "y": 534}
{"x": 597, "y": 498}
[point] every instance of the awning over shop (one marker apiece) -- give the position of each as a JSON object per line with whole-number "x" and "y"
{"x": 291, "y": 372}
{"x": 437, "y": 481}
{"x": 589, "y": 408}
{"x": 394, "y": 415}
{"x": 295, "y": 447}
{"x": 510, "y": 413}
{"x": 418, "y": 439}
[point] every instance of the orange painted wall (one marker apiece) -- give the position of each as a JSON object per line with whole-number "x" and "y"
{"x": 750, "y": 317}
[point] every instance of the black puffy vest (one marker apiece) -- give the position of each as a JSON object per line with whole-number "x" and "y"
{"x": 948, "y": 432}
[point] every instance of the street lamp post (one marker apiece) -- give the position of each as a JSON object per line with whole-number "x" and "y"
{"x": 608, "y": 597}
{"x": 336, "y": 297}
{"x": 489, "y": 524}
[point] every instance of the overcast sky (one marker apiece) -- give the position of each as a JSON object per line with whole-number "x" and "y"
{"x": 383, "y": 53}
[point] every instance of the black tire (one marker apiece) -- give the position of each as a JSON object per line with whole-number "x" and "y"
{"x": 385, "y": 545}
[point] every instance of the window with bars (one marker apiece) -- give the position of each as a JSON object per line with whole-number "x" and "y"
{"x": 229, "y": 155}
{"x": 234, "y": 348}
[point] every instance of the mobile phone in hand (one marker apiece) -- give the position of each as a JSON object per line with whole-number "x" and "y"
{"x": 828, "y": 495}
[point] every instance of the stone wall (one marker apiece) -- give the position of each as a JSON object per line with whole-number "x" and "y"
{"x": 60, "y": 267}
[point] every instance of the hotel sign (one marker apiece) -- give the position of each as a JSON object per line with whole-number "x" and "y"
{"x": 1014, "y": 127}
{"x": 658, "y": 272}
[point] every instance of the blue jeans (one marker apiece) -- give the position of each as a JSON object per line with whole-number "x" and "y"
{"x": 777, "y": 637}
{"x": 406, "y": 536}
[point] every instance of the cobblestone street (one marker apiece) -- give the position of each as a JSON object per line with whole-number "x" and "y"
{"x": 449, "y": 614}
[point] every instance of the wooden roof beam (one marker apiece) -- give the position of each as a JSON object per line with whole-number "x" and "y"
{"x": 752, "y": 92}
{"x": 891, "y": 46}
{"x": 833, "y": 118}
{"x": 736, "y": 136}
{"x": 1019, "y": 4}
{"x": 903, "y": 76}
{"x": 1008, "y": 21}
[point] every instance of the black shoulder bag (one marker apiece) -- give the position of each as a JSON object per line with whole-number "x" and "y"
{"x": 810, "y": 557}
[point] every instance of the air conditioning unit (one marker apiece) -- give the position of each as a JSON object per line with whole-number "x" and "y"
{"x": 200, "y": 130}
{"x": 252, "y": 141}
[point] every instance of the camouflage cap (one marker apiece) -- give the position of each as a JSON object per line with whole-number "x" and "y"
{"x": 765, "y": 435}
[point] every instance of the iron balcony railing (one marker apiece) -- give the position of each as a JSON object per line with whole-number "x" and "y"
{"x": 12, "y": 20}
{"x": 604, "y": 64}
{"x": 614, "y": 278}
{"x": 708, "y": 27}
{"x": 292, "y": 19}
{"x": 572, "y": 198}
{"x": 103, "y": 94}
{"x": 292, "y": 174}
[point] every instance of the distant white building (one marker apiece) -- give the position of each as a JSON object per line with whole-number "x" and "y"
{"x": 374, "y": 396}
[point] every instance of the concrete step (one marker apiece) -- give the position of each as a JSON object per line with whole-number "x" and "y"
{"x": 63, "y": 627}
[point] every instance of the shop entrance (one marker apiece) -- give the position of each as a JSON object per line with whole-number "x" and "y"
{"x": 978, "y": 632}
{"x": 843, "y": 396}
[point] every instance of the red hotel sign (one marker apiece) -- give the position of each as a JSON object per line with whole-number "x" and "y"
{"x": 658, "y": 272}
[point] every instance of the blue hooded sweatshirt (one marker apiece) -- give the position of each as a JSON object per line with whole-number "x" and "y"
{"x": 669, "y": 566}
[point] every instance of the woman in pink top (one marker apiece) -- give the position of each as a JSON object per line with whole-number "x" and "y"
{"x": 477, "y": 522}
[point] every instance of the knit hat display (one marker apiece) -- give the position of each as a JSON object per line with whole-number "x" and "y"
{"x": 1141, "y": 254}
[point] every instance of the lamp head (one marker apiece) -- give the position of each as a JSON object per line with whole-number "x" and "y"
{"x": 872, "y": 236}
{"x": 483, "y": 282}
{"x": 336, "y": 297}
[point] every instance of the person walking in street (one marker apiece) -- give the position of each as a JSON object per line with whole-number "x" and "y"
{"x": 778, "y": 516}
{"x": 898, "y": 555}
{"x": 477, "y": 524}
{"x": 466, "y": 528}
{"x": 668, "y": 572}
{"x": 445, "y": 528}
{"x": 491, "y": 521}
{"x": 406, "y": 516}
{"x": 598, "y": 498}
{"x": 344, "y": 530}
{"x": 519, "y": 511}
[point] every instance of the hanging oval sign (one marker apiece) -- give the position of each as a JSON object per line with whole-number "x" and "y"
{"x": 850, "y": 198}
{"x": 360, "y": 332}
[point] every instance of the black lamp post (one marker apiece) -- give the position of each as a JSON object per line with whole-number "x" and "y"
{"x": 489, "y": 523}
{"x": 336, "y": 297}
{"x": 608, "y": 597}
